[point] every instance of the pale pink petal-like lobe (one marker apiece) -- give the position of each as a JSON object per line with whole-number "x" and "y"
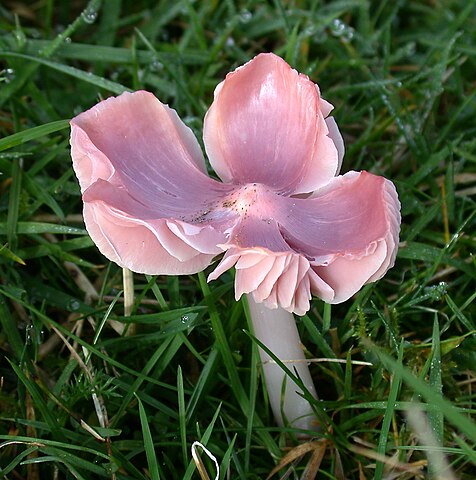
{"x": 347, "y": 273}
{"x": 136, "y": 245}
{"x": 347, "y": 217}
{"x": 148, "y": 200}
{"x": 266, "y": 126}
{"x": 335, "y": 135}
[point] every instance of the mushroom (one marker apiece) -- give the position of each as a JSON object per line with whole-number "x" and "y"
{"x": 283, "y": 217}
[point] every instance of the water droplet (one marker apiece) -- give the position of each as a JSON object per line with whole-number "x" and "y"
{"x": 156, "y": 65}
{"x": 67, "y": 40}
{"x": 185, "y": 319}
{"x": 19, "y": 37}
{"x": 8, "y": 75}
{"x": 29, "y": 332}
{"x": 338, "y": 27}
{"x": 436, "y": 292}
{"x": 245, "y": 16}
{"x": 230, "y": 42}
{"x": 89, "y": 15}
{"x": 74, "y": 305}
{"x": 348, "y": 34}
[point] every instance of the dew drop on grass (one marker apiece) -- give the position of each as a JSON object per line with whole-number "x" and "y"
{"x": 19, "y": 37}
{"x": 33, "y": 335}
{"x": 29, "y": 334}
{"x": 74, "y": 305}
{"x": 89, "y": 15}
{"x": 348, "y": 34}
{"x": 156, "y": 65}
{"x": 245, "y": 16}
{"x": 185, "y": 319}
{"x": 8, "y": 75}
{"x": 338, "y": 27}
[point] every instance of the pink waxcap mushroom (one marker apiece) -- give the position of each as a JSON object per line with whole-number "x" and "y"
{"x": 286, "y": 222}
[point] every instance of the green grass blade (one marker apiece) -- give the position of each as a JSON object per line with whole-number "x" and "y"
{"x": 182, "y": 415}
{"x": 32, "y": 134}
{"x": 74, "y": 72}
{"x": 148, "y": 443}
{"x": 10, "y": 329}
{"x": 14, "y": 203}
{"x": 388, "y": 416}
{"x": 32, "y": 228}
{"x": 202, "y": 385}
{"x": 435, "y": 417}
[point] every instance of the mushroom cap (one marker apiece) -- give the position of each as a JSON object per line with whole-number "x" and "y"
{"x": 288, "y": 224}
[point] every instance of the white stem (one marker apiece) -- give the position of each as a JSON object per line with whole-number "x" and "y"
{"x": 277, "y": 330}
{"x": 128, "y": 283}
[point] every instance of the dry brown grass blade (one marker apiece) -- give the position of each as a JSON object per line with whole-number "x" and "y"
{"x": 339, "y": 468}
{"x": 314, "y": 464}
{"x": 298, "y": 452}
{"x": 415, "y": 468}
{"x": 361, "y": 472}
{"x": 444, "y": 211}
{"x": 202, "y": 471}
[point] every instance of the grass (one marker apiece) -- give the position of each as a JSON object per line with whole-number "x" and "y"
{"x": 80, "y": 400}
